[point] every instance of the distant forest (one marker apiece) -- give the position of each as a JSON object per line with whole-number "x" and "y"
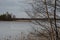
{"x": 6, "y": 17}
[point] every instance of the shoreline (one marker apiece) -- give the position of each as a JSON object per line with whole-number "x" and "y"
{"x": 17, "y": 21}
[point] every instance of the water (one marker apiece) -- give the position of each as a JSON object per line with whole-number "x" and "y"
{"x": 13, "y": 28}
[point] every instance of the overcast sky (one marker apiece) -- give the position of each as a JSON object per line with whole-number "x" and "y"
{"x": 17, "y": 7}
{"x": 14, "y": 6}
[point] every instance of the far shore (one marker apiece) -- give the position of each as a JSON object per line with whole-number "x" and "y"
{"x": 23, "y": 20}
{"x": 19, "y": 21}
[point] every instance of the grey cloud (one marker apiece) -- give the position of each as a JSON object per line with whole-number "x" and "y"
{"x": 14, "y": 6}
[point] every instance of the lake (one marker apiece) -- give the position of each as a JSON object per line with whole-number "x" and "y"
{"x": 13, "y": 28}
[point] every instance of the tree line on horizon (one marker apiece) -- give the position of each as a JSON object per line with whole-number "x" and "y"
{"x": 6, "y": 17}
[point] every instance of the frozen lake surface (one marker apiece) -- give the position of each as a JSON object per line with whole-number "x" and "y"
{"x": 13, "y": 28}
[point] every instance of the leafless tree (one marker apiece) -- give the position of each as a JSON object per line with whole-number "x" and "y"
{"x": 44, "y": 9}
